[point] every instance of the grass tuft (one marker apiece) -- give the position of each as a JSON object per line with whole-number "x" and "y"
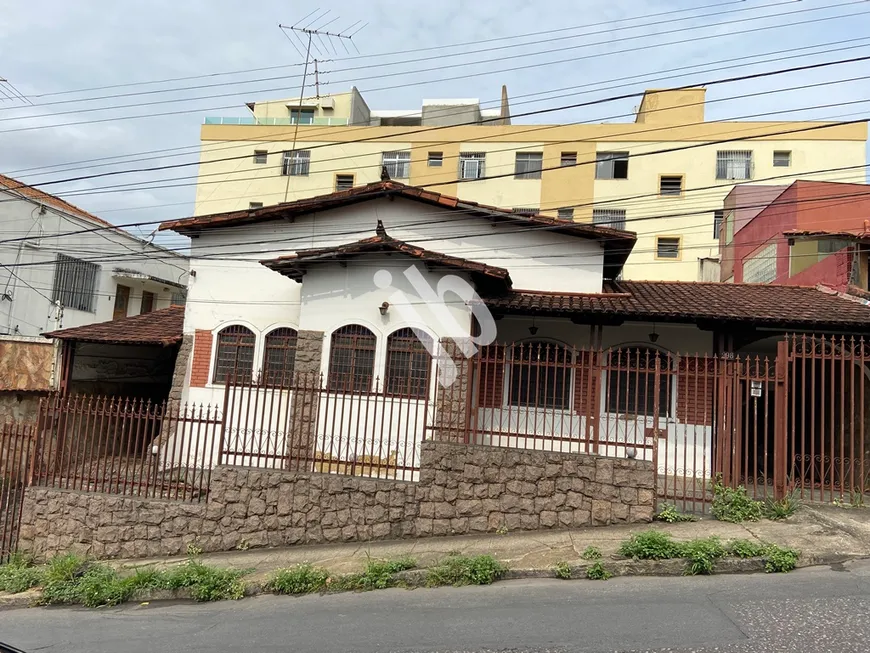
{"x": 785, "y": 507}
{"x": 598, "y": 572}
{"x": 301, "y": 579}
{"x": 669, "y": 513}
{"x": 591, "y": 553}
{"x": 562, "y": 570}
{"x": 19, "y": 574}
{"x": 650, "y": 545}
{"x": 702, "y": 554}
{"x": 463, "y": 570}
{"x": 734, "y": 504}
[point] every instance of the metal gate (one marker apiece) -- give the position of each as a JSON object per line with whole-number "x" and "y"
{"x": 16, "y": 451}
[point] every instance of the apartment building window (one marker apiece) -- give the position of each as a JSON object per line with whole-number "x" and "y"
{"x": 613, "y": 218}
{"x": 471, "y": 165}
{"x": 568, "y": 159}
{"x": 398, "y": 164}
{"x": 611, "y": 165}
{"x": 255, "y": 205}
{"x": 671, "y": 185}
{"x": 526, "y": 210}
{"x": 729, "y": 227}
{"x": 261, "y": 157}
{"x": 718, "y": 217}
{"x": 75, "y": 283}
{"x": 761, "y": 266}
{"x": 668, "y": 247}
{"x": 344, "y": 182}
{"x": 436, "y": 159}
{"x": 296, "y": 163}
{"x": 178, "y": 298}
{"x": 566, "y": 213}
{"x": 734, "y": 164}
{"x": 301, "y": 116}
{"x": 529, "y": 165}
{"x": 782, "y": 159}
{"x": 147, "y": 305}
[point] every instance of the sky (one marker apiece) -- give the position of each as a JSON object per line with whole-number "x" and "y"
{"x": 63, "y": 55}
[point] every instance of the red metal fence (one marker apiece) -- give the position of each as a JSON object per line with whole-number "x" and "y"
{"x": 130, "y": 447}
{"x": 355, "y": 427}
{"x": 16, "y": 450}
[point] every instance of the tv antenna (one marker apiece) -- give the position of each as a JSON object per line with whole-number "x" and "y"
{"x": 10, "y": 93}
{"x": 310, "y": 32}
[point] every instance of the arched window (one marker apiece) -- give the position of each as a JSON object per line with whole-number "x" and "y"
{"x": 631, "y": 381}
{"x": 235, "y": 354}
{"x": 408, "y": 363}
{"x": 540, "y": 375}
{"x": 279, "y": 356}
{"x": 352, "y": 359}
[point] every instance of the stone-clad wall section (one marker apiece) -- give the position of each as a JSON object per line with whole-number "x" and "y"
{"x": 462, "y": 489}
{"x": 478, "y": 489}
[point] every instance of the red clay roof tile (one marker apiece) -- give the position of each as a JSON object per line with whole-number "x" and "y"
{"x": 163, "y": 327}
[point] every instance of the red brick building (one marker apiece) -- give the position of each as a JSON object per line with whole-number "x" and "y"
{"x": 808, "y": 233}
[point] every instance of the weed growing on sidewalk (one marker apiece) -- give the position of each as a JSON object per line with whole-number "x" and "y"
{"x": 19, "y": 574}
{"x": 204, "y": 582}
{"x": 562, "y": 570}
{"x": 669, "y": 513}
{"x": 60, "y": 579}
{"x": 598, "y": 572}
{"x": 378, "y": 575}
{"x": 463, "y": 570}
{"x": 702, "y": 554}
{"x": 650, "y": 545}
{"x": 778, "y": 559}
{"x": 591, "y": 553}
{"x": 733, "y": 504}
{"x": 301, "y": 579}
{"x": 745, "y": 549}
{"x": 785, "y": 507}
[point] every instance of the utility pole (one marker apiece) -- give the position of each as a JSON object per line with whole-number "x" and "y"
{"x": 307, "y": 33}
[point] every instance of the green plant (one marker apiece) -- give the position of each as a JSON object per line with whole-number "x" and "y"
{"x": 591, "y": 553}
{"x": 377, "y": 575}
{"x": 779, "y": 559}
{"x": 205, "y": 583}
{"x": 301, "y": 579}
{"x": 856, "y": 498}
{"x": 19, "y": 574}
{"x": 745, "y": 548}
{"x": 650, "y": 545}
{"x": 669, "y": 513}
{"x": 733, "y": 504}
{"x": 501, "y": 530}
{"x": 193, "y": 550}
{"x": 598, "y": 572}
{"x": 785, "y": 507}
{"x": 101, "y": 585}
{"x": 562, "y": 570}
{"x": 462, "y": 570}
{"x": 61, "y": 577}
{"x": 702, "y": 554}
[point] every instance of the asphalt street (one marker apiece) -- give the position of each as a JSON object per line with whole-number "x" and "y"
{"x": 823, "y": 609}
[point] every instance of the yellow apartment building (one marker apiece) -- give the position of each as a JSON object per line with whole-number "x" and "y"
{"x": 663, "y": 176}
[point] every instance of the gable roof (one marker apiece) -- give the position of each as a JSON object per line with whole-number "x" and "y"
{"x": 488, "y": 277}
{"x": 617, "y": 244}
{"x": 162, "y": 327}
{"x": 676, "y": 301}
{"x": 33, "y": 193}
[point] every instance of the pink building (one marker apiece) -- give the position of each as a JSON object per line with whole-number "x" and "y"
{"x": 808, "y": 233}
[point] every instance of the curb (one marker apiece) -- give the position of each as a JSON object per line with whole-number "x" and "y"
{"x": 416, "y": 578}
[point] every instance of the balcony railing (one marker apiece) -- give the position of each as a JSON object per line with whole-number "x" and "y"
{"x": 251, "y": 120}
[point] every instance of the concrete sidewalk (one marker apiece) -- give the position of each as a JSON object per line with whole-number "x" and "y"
{"x": 822, "y": 534}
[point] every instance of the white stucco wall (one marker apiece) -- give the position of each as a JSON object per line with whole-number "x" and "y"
{"x": 32, "y": 261}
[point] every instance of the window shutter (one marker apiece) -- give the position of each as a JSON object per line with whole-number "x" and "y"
{"x": 586, "y": 382}
{"x": 491, "y": 376}
{"x": 696, "y": 387}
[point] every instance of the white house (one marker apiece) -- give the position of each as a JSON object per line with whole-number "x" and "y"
{"x": 62, "y": 267}
{"x": 348, "y": 295}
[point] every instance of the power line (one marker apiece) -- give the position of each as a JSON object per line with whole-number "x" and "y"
{"x": 466, "y": 75}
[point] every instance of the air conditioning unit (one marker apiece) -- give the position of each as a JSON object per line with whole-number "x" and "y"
{"x": 327, "y": 103}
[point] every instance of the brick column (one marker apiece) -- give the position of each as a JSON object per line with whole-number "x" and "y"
{"x": 199, "y": 370}
{"x": 452, "y": 401}
{"x": 302, "y": 438}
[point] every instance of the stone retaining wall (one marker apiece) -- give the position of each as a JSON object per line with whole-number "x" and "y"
{"x": 462, "y": 489}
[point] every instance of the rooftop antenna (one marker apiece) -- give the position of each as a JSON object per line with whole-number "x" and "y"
{"x": 9, "y": 92}
{"x": 308, "y": 32}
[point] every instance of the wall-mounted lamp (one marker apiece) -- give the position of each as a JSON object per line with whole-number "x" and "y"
{"x": 653, "y": 337}
{"x": 383, "y": 308}
{"x": 533, "y": 329}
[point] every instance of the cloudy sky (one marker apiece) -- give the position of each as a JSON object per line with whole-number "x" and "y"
{"x": 87, "y": 68}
